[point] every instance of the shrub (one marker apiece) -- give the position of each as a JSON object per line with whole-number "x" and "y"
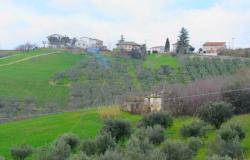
{"x": 117, "y": 128}
{"x": 104, "y": 142}
{"x": 241, "y": 134}
{"x": 231, "y": 132}
{"x": 61, "y": 150}
{"x": 216, "y": 157}
{"x": 231, "y": 148}
{"x": 1, "y": 158}
{"x": 163, "y": 119}
{"x": 22, "y": 152}
{"x": 155, "y": 134}
{"x": 195, "y": 129}
{"x": 89, "y": 147}
{"x": 239, "y": 99}
{"x": 111, "y": 155}
{"x": 71, "y": 139}
{"x": 194, "y": 144}
{"x": 176, "y": 150}
{"x": 80, "y": 156}
{"x": 216, "y": 113}
{"x": 44, "y": 153}
{"x": 138, "y": 148}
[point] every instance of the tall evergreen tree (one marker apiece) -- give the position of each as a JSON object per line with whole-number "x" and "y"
{"x": 167, "y": 46}
{"x": 183, "y": 42}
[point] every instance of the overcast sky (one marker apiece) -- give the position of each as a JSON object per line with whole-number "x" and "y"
{"x": 142, "y": 21}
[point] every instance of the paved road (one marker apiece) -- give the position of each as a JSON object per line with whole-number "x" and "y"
{"x": 26, "y": 59}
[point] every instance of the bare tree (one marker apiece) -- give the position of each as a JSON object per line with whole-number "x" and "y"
{"x": 44, "y": 43}
{"x": 26, "y": 47}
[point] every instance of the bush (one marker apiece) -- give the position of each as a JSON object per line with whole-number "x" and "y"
{"x": 22, "y": 152}
{"x": 117, "y": 128}
{"x": 71, "y": 139}
{"x": 216, "y": 113}
{"x": 231, "y": 132}
{"x": 155, "y": 134}
{"x": 241, "y": 134}
{"x": 111, "y": 155}
{"x": 89, "y": 147}
{"x": 1, "y": 158}
{"x": 216, "y": 157}
{"x": 194, "y": 144}
{"x": 104, "y": 142}
{"x": 195, "y": 129}
{"x": 60, "y": 150}
{"x": 138, "y": 148}
{"x": 44, "y": 153}
{"x": 231, "y": 148}
{"x": 227, "y": 134}
{"x": 80, "y": 156}
{"x": 163, "y": 119}
{"x": 239, "y": 99}
{"x": 176, "y": 150}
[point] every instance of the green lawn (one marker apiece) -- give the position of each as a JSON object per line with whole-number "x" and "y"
{"x": 155, "y": 61}
{"x": 43, "y": 130}
{"x": 31, "y": 78}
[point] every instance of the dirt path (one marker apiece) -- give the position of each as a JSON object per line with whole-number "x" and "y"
{"x": 26, "y": 59}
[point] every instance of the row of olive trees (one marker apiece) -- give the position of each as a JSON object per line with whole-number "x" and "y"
{"x": 148, "y": 141}
{"x": 12, "y": 108}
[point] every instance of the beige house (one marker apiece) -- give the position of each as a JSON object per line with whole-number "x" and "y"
{"x": 151, "y": 103}
{"x": 127, "y": 46}
{"x": 212, "y": 48}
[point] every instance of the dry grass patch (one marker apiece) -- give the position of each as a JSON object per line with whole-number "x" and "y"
{"x": 108, "y": 112}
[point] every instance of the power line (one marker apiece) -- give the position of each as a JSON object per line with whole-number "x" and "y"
{"x": 207, "y": 94}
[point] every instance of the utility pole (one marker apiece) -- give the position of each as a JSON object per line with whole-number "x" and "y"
{"x": 233, "y": 42}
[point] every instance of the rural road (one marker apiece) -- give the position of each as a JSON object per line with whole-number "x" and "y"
{"x": 26, "y": 59}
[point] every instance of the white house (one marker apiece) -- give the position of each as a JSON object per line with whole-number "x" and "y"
{"x": 212, "y": 48}
{"x": 55, "y": 36}
{"x": 158, "y": 49}
{"x": 86, "y": 42}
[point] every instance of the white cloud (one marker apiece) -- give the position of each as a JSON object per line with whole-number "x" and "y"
{"x": 139, "y": 20}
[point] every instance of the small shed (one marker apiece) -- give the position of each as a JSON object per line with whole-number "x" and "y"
{"x": 143, "y": 104}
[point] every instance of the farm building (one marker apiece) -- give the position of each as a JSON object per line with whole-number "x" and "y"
{"x": 212, "y": 48}
{"x": 143, "y": 104}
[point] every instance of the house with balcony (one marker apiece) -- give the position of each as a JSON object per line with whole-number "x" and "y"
{"x": 213, "y": 48}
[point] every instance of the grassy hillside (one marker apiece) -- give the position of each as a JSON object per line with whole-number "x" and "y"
{"x": 155, "y": 61}
{"x": 43, "y": 130}
{"x": 86, "y": 124}
{"x": 31, "y": 78}
{"x": 29, "y": 74}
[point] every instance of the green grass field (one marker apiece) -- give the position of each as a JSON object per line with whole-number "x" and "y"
{"x": 43, "y": 130}
{"x": 155, "y": 61}
{"x": 31, "y": 78}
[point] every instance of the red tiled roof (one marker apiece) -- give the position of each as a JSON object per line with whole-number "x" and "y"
{"x": 214, "y": 44}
